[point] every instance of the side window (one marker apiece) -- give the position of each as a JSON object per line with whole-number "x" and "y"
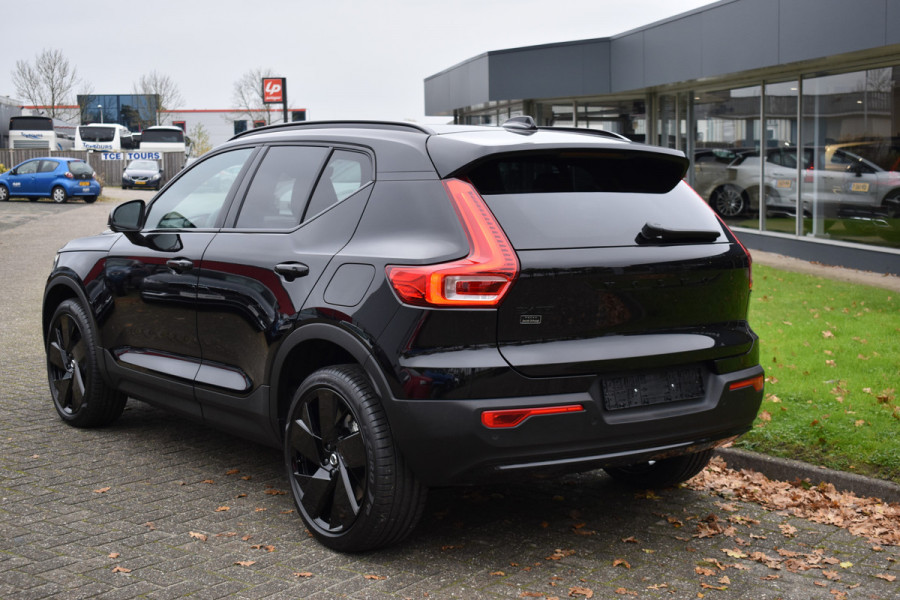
{"x": 48, "y": 166}
{"x": 196, "y": 199}
{"x": 29, "y": 168}
{"x": 345, "y": 173}
{"x": 280, "y": 188}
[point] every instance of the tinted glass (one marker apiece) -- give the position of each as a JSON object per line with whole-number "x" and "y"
{"x": 78, "y": 167}
{"x": 48, "y": 166}
{"x": 345, "y": 173}
{"x": 163, "y": 135}
{"x": 97, "y": 134}
{"x": 197, "y": 197}
{"x": 31, "y": 123}
{"x": 280, "y": 188}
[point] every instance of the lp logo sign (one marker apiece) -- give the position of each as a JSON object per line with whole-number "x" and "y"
{"x": 273, "y": 90}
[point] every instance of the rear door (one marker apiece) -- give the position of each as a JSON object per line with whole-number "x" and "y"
{"x": 300, "y": 208}
{"x": 618, "y": 268}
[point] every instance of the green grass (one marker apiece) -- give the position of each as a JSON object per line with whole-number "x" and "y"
{"x": 831, "y": 351}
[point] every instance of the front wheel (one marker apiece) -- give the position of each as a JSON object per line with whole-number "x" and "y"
{"x": 4, "y": 193}
{"x": 661, "y": 473}
{"x": 728, "y": 201}
{"x": 891, "y": 204}
{"x": 59, "y": 195}
{"x": 350, "y": 484}
{"x": 81, "y": 397}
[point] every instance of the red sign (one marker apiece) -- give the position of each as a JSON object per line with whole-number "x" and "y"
{"x": 273, "y": 90}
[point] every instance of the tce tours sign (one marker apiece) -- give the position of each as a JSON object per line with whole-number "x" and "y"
{"x": 273, "y": 89}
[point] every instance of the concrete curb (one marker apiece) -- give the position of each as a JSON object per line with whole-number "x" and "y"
{"x": 788, "y": 470}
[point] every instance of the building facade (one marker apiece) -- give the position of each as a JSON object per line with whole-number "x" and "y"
{"x": 789, "y": 109}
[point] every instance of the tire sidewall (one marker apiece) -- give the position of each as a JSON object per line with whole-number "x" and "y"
{"x": 58, "y": 194}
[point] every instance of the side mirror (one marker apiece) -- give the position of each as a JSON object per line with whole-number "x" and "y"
{"x": 128, "y": 217}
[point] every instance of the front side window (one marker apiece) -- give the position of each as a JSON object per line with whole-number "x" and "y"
{"x": 196, "y": 199}
{"x": 28, "y": 168}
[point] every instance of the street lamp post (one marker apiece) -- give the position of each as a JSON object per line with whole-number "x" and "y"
{"x": 100, "y": 108}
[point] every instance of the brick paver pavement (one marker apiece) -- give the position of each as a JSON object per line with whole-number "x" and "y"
{"x": 157, "y": 507}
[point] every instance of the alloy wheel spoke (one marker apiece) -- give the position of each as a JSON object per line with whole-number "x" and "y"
{"x": 66, "y": 330}
{"x": 328, "y": 414}
{"x": 317, "y": 492}
{"x": 305, "y": 443}
{"x": 79, "y": 351}
{"x": 57, "y": 356}
{"x": 344, "y": 505}
{"x": 352, "y": 450}
{"x": 77, "y": 389}
{"x": 63, "y": 386}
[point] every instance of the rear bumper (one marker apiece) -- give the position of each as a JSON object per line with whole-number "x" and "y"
{"x": 444, "y": 441}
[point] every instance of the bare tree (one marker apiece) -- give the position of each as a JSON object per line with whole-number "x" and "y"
{"x": 200, "y": 143}
{"x": 168, "y": 96}
{"x": 47, "y": 82}
{"x": 248, "y": 95}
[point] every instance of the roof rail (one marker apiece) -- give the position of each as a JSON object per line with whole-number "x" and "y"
{"x": 597, "y": 132}
{"x": 299, "y": 125}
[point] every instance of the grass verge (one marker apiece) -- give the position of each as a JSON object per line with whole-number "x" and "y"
{"x": 831, "y": 351}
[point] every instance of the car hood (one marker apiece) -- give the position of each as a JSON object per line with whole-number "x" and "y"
{"x": 140, "y": 172}
{"x": 101, "y": 242}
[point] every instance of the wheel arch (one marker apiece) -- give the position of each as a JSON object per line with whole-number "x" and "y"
{"x": 59, "y": 289}
{"x": 312, "y": 347}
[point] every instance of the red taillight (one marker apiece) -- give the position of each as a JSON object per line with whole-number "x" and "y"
{"x": 481, "y": 278}
{"x": 501, "y": 419}
{"x": 757, "y": 383}
{"x": 69, "y": 175}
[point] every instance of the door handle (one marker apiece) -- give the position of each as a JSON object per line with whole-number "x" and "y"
{"x": 179, "y": 265}
{"x": 291, "y": 270}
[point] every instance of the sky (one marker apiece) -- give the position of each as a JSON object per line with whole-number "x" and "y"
{"x": 342, "y": 59}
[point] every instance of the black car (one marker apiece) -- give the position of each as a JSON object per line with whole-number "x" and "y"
{"x": 399, "y": 306}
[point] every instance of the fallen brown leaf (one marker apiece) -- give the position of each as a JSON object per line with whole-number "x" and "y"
{"x": 102, "y": 490}
{"x": 578, "y": 590}
{"x": 375, "y": 577}
{"x": 245, "y": 563}
{"x": 200, "y": 536}
{"x": 118, "y": 569}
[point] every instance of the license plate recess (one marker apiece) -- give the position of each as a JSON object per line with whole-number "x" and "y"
{"x": 657, "y": 387}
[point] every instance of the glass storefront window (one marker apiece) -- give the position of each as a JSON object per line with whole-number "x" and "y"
{"x": 851, "y": 184}
{"x": 726, "y": 153}
{"x": 627, "y": 117}
{"x": 672, "y": 121}
{"x": 781, "y": 157}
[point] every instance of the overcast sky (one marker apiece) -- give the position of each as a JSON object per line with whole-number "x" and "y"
{"x": 359, "y": 59}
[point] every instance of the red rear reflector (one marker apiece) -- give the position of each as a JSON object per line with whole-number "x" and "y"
{"x": 499, "y": 419}
{"x": 756, "y": 383}
{"x": 481, "y": 278}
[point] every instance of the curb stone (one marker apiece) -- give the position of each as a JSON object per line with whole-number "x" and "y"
{"x": 786, "y": 469}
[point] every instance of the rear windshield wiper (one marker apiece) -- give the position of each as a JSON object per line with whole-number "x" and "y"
{"x": 656, "y": 233}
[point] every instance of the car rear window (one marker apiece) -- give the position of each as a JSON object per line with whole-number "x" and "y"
{"x": 583, "y": 200}
{"x": 77, "y": 167}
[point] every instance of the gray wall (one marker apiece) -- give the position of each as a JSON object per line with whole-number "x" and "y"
{"x": 729, "y": 37}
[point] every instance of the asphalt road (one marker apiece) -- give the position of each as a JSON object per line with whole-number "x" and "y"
{"x": 157, "y": 507}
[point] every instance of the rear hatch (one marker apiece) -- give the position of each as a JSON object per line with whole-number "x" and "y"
{"x": 622, "y": 265}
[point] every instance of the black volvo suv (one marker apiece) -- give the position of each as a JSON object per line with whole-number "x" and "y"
{"x": 399, "y": 306}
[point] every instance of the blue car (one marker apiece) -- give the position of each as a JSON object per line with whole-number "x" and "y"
{"x": 57, "y": 178}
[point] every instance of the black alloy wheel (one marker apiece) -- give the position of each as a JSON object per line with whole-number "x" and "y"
{"x": 349, "y": 483}
{"x": 80, "y": 396}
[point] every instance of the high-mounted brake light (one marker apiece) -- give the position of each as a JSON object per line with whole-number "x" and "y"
{"x": 480, "y": 279}
{"x": 502, "y": 419}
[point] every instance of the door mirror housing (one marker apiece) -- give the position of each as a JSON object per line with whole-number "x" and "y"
{"x": 128, "y": 217}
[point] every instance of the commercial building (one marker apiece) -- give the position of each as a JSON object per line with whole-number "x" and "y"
{"x": 811, "y": 85}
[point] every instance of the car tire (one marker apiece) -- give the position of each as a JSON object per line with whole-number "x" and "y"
{"x": 349, "y": 481}
{"x": 58, "y": 194}
{"x": 4, "y": 193}
{"x": 80, "y": 395}
{"x": 666, "y": 472}
{"x": 728, "y": 201}
{"x": 90, "y": 199}
{"x": 891, "y": 204}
